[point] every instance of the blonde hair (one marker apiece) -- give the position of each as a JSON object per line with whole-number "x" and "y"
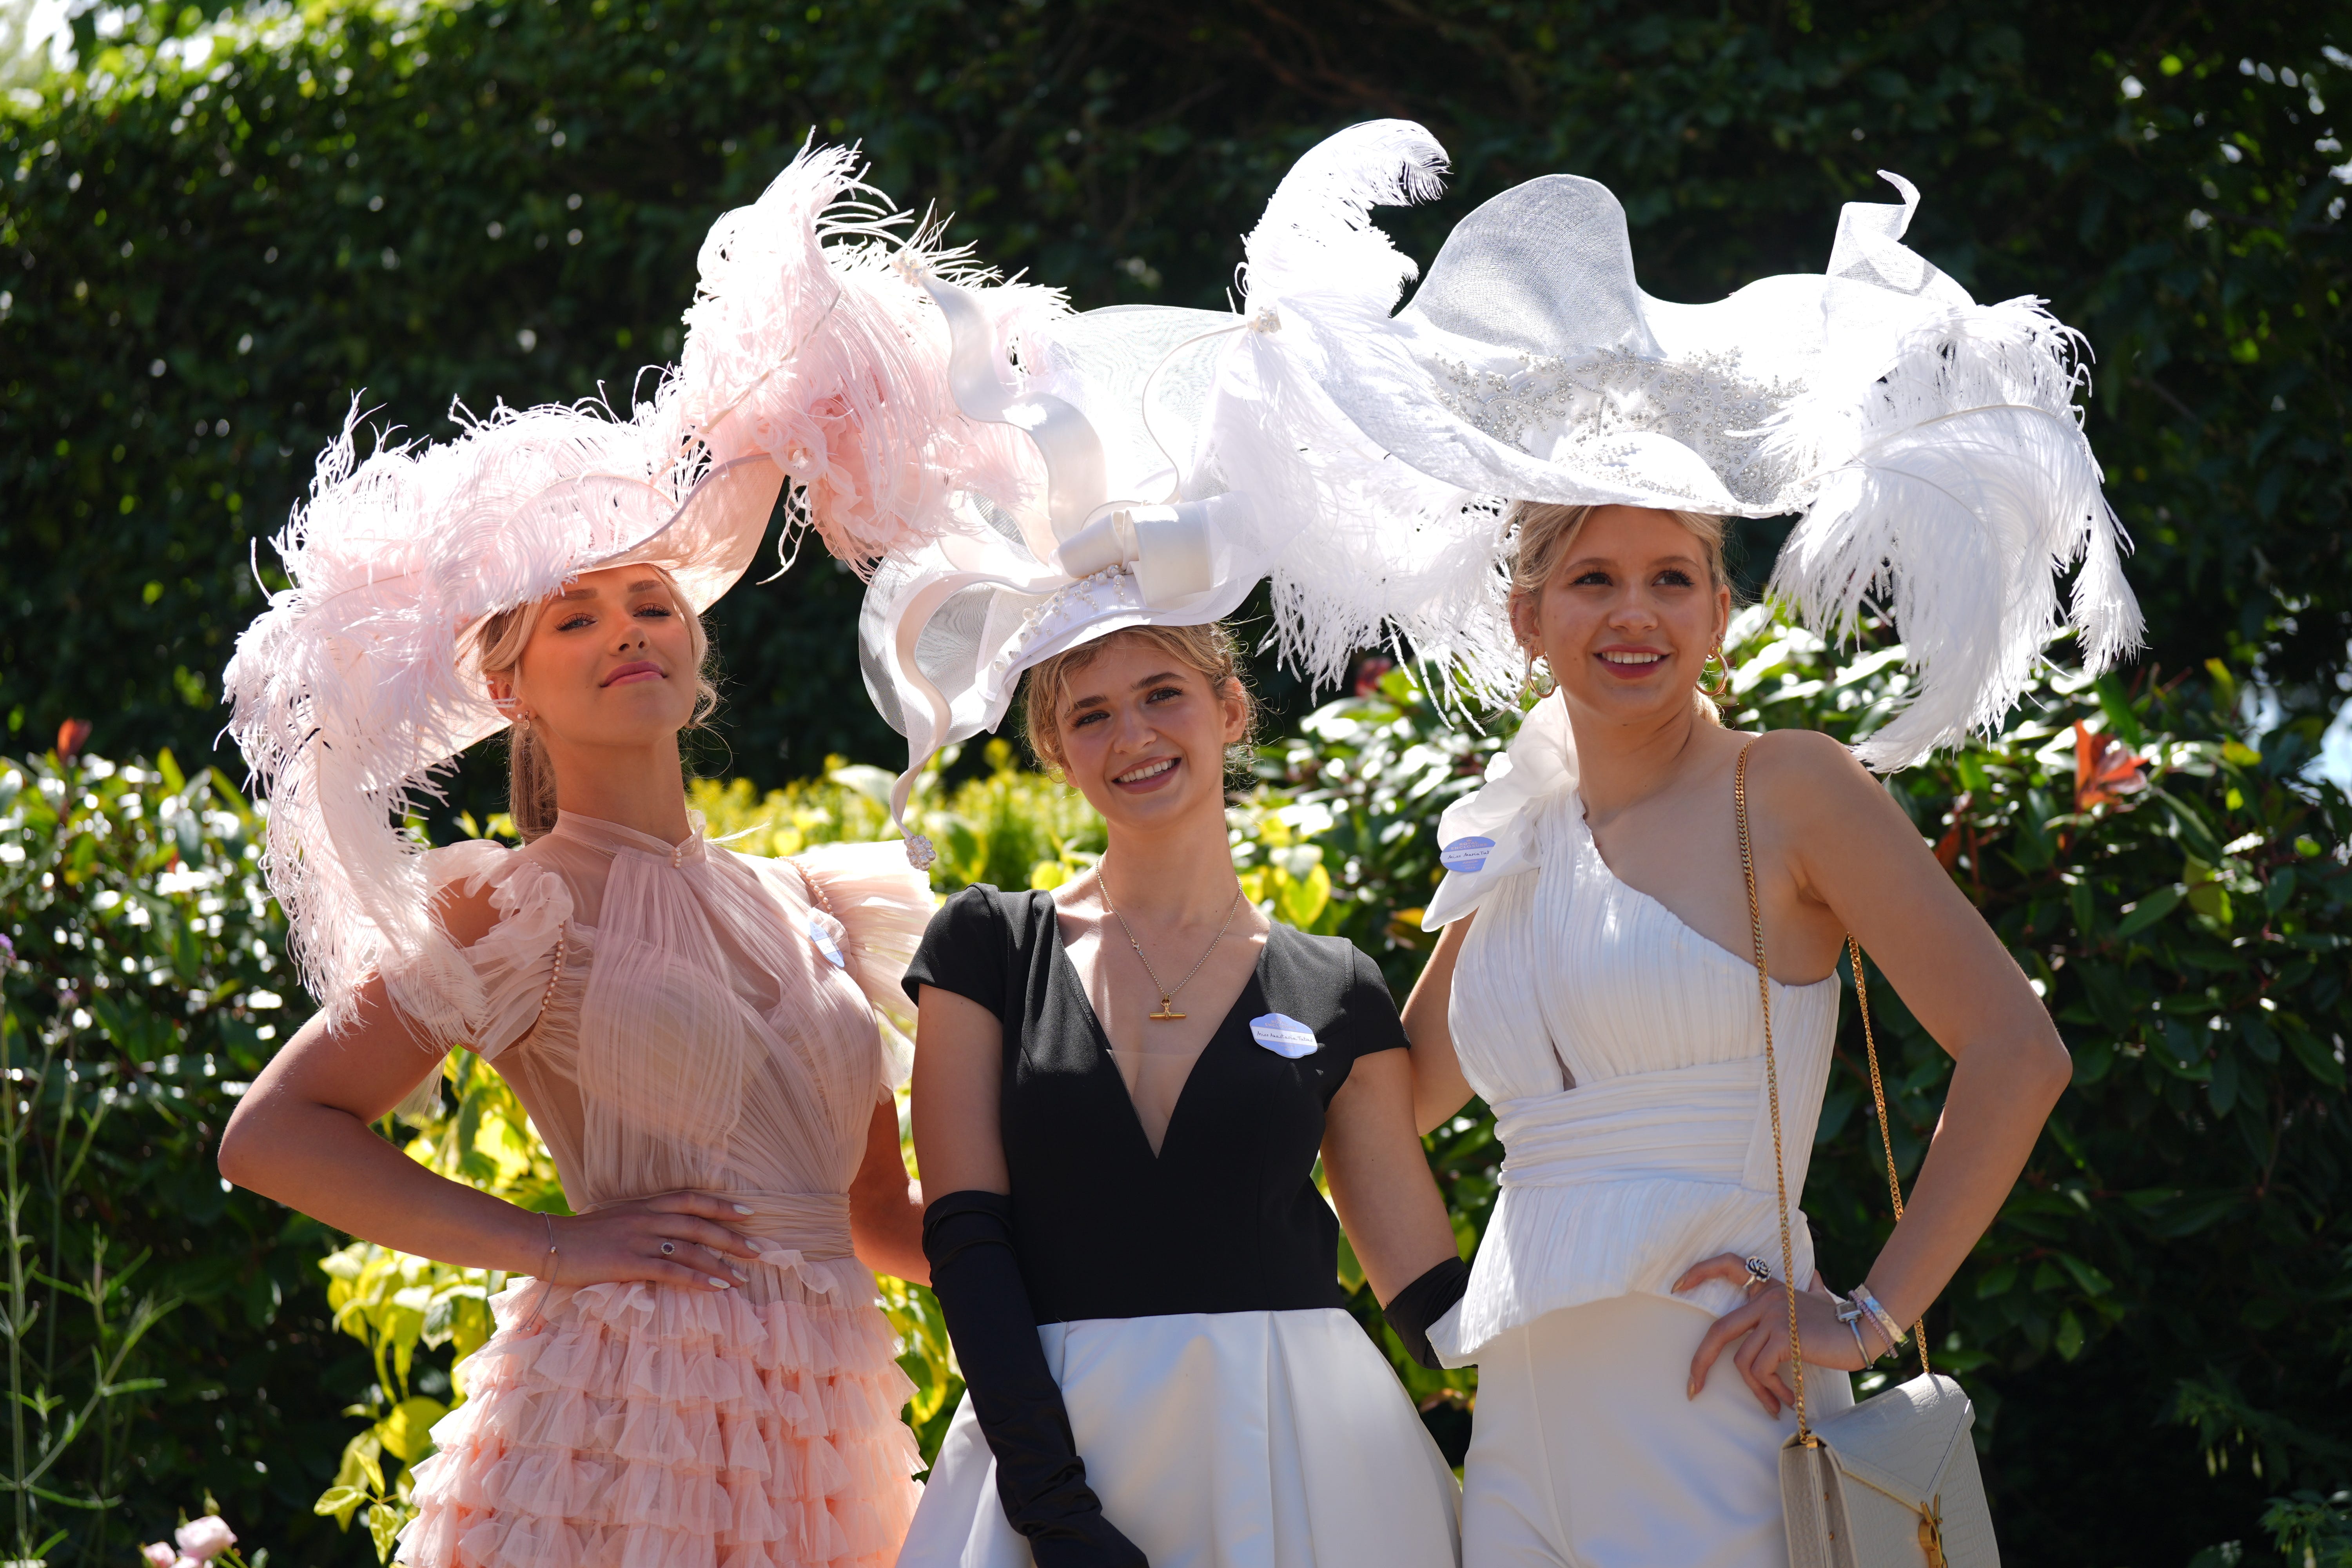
{"x": 1211, "y": 650}
{"x": 530, "y": 772}
{"x": 1543, "y": 532}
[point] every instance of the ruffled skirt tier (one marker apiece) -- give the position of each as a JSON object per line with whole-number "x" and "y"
{"x": 650, "y": 1426}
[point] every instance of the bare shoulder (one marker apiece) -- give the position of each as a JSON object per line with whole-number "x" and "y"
{"x": 1803, "y": 775}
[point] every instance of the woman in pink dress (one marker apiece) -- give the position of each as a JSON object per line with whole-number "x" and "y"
{"x": 695, "y": 1374}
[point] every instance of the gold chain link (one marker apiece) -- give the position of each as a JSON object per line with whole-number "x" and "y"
{"x": 1885, "y": 1137}
{"x": 1771, "y": 1084}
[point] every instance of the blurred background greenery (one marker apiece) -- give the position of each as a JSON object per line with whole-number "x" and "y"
{"x": 219, "y": 225}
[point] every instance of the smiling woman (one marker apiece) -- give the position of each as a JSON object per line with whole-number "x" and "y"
{"x": 1548, "y": 539}
{"x": 1122, "y": 1089}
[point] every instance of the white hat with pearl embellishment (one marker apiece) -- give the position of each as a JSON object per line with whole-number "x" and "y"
{"x": 1931, "y": 445}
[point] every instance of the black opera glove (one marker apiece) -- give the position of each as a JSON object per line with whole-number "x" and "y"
{"x": 1041, "y": 1479}
{"x": 1413, "y": 1309}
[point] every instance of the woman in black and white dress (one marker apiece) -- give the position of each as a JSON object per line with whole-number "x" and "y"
{"x": 1121, "y": 1088}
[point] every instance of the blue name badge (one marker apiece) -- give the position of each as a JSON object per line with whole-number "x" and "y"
{"x": 1284, "y": 1036}
{"x": 1466, "y": 855}
{"x": 825, "y": 943}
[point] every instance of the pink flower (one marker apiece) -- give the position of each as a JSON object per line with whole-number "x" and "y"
{"x": 160, "y": 1554}
{"x": 202, "y": 1540}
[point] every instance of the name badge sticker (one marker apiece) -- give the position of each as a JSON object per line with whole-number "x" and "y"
{"x": 1466, "y": 855}
{"x": 1285, "y": 1036}
{"x": 825, "y": 943}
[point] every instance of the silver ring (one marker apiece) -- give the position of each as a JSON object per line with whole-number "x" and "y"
{"x": 1759, "y": 1271}
{"x": 668, "y": 1248}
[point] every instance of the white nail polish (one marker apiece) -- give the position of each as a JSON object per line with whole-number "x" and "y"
{"x": 745, "y": 1209}
{"x": 718, "y": 1284}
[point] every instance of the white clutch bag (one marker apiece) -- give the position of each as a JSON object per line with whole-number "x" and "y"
{"x": 1892, "y": 1482}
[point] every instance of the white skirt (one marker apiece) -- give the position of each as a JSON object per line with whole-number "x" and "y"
{"x": 1584, "y": 1452}
{"x": 1219, "y": 1440}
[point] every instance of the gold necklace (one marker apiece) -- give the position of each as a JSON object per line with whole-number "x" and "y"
{"x": 1167, "y": 1012}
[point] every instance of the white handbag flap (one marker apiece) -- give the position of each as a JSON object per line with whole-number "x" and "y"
{"x": 1910, "y": 1433}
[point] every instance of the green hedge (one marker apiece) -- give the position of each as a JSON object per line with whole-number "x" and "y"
{"x": 144, "y": 985}
{"x": 199, "y": 266}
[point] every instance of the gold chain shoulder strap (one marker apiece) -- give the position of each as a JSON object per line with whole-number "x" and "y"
{"x": 1885, "y": 1137}
{"x": 1771, "y": 1080}
{"x": 1773, "y": 1087}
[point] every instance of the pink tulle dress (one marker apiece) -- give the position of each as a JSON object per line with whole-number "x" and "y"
{"x": 682, "y": 1018}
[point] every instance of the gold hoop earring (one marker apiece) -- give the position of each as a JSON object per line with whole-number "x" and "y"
{"x": 1721, "y": 690}
{"x": 1529, "y": 688}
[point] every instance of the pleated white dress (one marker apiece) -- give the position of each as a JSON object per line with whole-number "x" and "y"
{"x": 1622, "y": 1053}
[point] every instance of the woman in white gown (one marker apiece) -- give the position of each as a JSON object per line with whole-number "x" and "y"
{"x": 1593, "y": 984}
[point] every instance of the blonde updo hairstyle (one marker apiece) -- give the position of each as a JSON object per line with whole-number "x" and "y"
{"x": 1543, "y": 532}
{"x": 1211, "y": 651}
{"x": 530, "y": 773}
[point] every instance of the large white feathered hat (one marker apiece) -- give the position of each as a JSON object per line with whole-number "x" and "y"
{"x": 812, "y": 358}
{"x": 1180, "y": 463}
{"x": 1931, "y": 444}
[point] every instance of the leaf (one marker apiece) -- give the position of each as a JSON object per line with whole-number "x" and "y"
{"x": 2150, "y": 910}
{"x": 361, "y": 1461}
{"x": 407, "y": 1432}
{"x": 384, "y": 1520}
{"x": 1301, "y": 900}
{"x": 2195, "y": 835}
{"x": 2068, "y": 1341}
{"x": 2091, "y": 1281}
{"x": 2222, "y": 1088}
{"x": 341, "y": 1503}
{"x": 2314, "y": 1055}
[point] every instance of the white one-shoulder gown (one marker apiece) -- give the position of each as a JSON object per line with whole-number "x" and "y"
{"x": 1622, "y": 1053}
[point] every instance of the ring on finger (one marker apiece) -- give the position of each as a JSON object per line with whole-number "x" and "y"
{"x": 668, "y": 1248}
{"x": 1759, "y": 1271}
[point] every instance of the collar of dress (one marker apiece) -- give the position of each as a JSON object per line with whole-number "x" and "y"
{"x": 1490, "y": 834}
{"x": 595, "y": 833}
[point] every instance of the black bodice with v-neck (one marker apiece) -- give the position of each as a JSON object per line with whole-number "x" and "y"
{"x": 1225, "y": 1218}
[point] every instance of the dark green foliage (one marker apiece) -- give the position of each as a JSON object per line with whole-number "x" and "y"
{"x": 312, "y": 213}
{"x": 145, "y": 954}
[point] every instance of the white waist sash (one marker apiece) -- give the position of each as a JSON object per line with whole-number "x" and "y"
{"x": 1689, "y": 1124}
{"x": 1617, "y": 1186}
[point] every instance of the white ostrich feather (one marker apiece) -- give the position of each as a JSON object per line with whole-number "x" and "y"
{"x": 1390, "y": 556}
{"x": 1955, "y": 483}
{"x": 1317, "y": 232}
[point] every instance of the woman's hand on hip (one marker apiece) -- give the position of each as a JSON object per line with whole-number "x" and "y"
{"x": 1756, "y": 1333}
{"x": 671, "y": 1238}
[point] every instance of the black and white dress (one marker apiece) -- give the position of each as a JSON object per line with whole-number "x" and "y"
{"x": 1229, "y": 1410}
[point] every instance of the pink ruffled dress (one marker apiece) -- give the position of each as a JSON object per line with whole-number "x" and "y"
{"x": 681, "y": 1018}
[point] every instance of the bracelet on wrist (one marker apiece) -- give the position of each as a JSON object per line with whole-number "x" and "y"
{"x": 1851, "y": 1314}
{"x": 1889, "y": 1329}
